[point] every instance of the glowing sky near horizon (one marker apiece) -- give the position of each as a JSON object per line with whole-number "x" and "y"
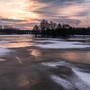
{"x": 25, "y": 14}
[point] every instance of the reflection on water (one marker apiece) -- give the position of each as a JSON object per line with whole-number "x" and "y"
{"x": 74, "y": 56}
{"x": 36, "y": 53}
{"x": 15, "y": 41}
{"x": 16, "y": 45}
{"x": 25, "y": 82}
{"x": 81, "y": 57}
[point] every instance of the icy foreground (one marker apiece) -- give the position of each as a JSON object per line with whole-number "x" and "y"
{"x": 34, "y": 65}
{"x": 68, "y": 76}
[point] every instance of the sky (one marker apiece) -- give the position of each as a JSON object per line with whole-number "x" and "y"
{"x": 24, "y": 14}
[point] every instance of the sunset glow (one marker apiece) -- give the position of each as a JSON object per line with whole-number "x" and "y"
{"x": 27, "y": 13}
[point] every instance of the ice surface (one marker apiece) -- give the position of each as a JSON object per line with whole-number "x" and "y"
{"x": 84, "y": 76}
{"x": 61, "y": 44}
{"x": 4, "y": 51}
{"x": 54, "y": 64}
{"x": 74, "y": 82}
{"x": 66, "y": 84}
{"x": 2, "y": 60}
{"x": 4, "y": 42}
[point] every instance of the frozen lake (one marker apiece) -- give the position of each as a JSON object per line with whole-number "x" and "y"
{"x": 28, "y": 63}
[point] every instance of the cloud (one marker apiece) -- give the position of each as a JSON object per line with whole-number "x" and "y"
{"x": 60, "y": 1}
{"x": 11, "y": 20}
{"x": 67, "y": 21}
{"x": 61, "y": 7}
{"x": 67, "y": 11}
{"x": 73, "y": 10}
{"x": 26, "y": 25}
{"x": 24, "y": 12}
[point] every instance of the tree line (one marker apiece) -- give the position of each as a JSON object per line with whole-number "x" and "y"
{"x": 52, "y": 29}
{"x": 9, "y": 31}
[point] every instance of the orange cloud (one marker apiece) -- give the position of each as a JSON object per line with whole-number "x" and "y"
{"x": 72, "y": 10}
{"x": 16, "y": 9}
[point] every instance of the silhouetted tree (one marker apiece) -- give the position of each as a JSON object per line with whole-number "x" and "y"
{"x": 57, "y": 30}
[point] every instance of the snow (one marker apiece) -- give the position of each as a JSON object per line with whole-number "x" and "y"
{"x": 2, "y": 60}
{"x": 54, "y": 64}
{"x": 4, "y": 42}
{"x": 84, "y": 76}
{"x": 75, "y": 82}
{"x": 4, "y": 51}
{"x": 80, "y": 80}
{"x": 61, "y": 44}
{"x": 66, "y": 84}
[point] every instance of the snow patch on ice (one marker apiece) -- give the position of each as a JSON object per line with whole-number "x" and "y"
{"x": 2, "y": 60}
{"x": 71, "y": 85}
{"x": 4, "y": 51}
{"x": 66, "y": 84}
{"x": 83, "y": 76}
{"x": 54, "y": 64}
{"x": 61, "y": 44}
{"x": 4, "y": 42}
